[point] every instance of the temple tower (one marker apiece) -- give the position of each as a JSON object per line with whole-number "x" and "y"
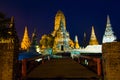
{"x": 109, "y": 34}
{"x": 76, "y": 44}
{"x": 58, "y": 17}
{"x": 93, "y": 39}
{"x": 61, "y": 41}
{"x": 25, "y": 44}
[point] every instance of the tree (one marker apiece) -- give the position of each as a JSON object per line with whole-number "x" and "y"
{"x": 50, "y": 41}
{"x": 47, "y": 41}
{"x": 4, "y": 23}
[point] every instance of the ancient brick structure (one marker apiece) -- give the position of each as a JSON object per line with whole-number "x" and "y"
{"x": 9, "y": 47}
{"x": 111, "y": 61}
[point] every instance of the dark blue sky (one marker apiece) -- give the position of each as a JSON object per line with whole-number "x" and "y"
{"x": 80, "y": 15}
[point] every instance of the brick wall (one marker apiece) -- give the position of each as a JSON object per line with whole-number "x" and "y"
{"x": 111, "y": 61}
{"x": 8, "y": 61}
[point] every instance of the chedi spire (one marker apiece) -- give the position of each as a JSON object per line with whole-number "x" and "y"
{"x": 25, "y": 44}
{"x": 109, "y": 34}
{"x": 76, "y": 43}
{"x": 93, "y": 39}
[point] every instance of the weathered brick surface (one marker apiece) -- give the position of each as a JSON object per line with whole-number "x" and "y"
{"x": 7, "y": 61}
{"x": 111, "y": 61}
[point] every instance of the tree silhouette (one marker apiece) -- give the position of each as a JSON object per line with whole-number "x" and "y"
{"x": 4, "y": 23}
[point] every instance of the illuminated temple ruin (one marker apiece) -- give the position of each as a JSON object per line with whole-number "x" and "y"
{"x": 59, "y": 40}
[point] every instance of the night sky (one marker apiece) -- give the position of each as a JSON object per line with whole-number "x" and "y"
{"x": 80, "y": 16}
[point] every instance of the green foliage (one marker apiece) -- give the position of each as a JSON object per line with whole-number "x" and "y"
{"x": 4, "y": 23}
{"x": 47, "y": 41}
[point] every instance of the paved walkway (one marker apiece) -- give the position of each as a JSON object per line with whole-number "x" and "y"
{"x": 61, "y": 68}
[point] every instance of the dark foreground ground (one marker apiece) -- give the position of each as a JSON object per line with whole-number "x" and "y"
{"x": 61, "y": 69}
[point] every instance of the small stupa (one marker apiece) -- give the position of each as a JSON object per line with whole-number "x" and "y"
{"x": 76, "y": 44}
{"x": 93, "y": 46}
{"x": 93, "y": 39}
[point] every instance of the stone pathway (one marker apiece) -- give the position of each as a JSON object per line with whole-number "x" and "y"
{"x": 61, "y": 68}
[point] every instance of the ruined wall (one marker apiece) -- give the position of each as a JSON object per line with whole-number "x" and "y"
{"x": 8, "y": 61}
{"x": 111, "y": 60}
